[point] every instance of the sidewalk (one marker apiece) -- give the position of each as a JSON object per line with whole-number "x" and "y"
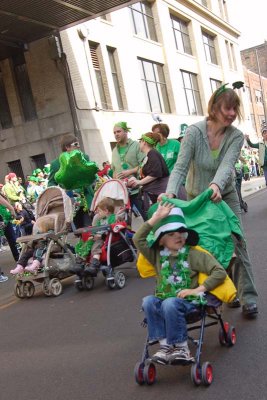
{"x": 252, "y": 186}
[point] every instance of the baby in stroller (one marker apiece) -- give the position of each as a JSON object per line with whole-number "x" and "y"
{"x": 176, "y": 265}
{"x": 108, "y": 243}
{"x": 104, "y": 216}
{"x": 34, "y": 249}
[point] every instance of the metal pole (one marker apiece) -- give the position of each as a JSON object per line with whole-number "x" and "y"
{"x": 261, "y": 85}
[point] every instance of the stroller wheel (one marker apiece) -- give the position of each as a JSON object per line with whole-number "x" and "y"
{"x": 28, "y": 289}
{"x": 88, "y": 282}
{"x": 149, "y": 373}
{"x": 207, "y": 373}
{"x": 79, "y": 285}
{"x": 139, "y": 373}
{"x": 196, "y": 374}
{"x": 19, "y": 290}
{"x": 55, "y": 287}
{"x": 119, "y": 279}
{"x": 230, "y": 335}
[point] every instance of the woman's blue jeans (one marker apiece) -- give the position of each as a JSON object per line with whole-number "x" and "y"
{"x": 167, "y": 318}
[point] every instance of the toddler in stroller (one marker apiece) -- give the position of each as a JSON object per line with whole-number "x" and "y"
{"x": 170, "y": 247}
{"x": 108, "y": 243}
{"x": 46, "y": 257}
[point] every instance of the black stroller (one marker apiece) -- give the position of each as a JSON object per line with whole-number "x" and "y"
{"x": 238, "y": 183}
{"x": 207, "y": 315}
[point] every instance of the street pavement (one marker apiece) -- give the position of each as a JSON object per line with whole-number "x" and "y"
{"x": 84, "y": 345}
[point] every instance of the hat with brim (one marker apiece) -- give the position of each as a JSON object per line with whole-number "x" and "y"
{"x": 174, "y": 222}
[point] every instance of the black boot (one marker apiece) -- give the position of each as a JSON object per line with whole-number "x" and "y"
{"x": 93, "y": 267}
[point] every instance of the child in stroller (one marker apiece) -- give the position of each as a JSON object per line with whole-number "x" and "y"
{"x": 34, "y": 249}
{"x": 46, "y": 257}
{"x": 108, "y": 243}
{"x": 104, "y": 216}
{"x": 177, "y": 265}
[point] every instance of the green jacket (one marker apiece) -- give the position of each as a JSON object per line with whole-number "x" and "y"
{"x": 196, "y": 164}
{"x": 198, "y": 261}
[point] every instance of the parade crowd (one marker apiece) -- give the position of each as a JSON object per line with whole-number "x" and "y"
{"x": 156, "y": 169}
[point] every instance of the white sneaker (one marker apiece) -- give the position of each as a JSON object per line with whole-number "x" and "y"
{"x": 3, "y": 278}
{"x": 162, "y": 356}
{"x": 180, "y": 355}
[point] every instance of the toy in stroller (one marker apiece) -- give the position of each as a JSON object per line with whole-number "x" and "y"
{"x": 53, "y": 208}
{"x": 117, "y": 247}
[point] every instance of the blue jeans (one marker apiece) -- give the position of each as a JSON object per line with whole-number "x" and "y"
{"x": 167, "y": 318}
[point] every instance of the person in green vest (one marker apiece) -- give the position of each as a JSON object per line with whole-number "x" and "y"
{"x": 126, "y": 160}
{"x": 262, "y": 146}
{"x": 68, "y": 143}
{"x": 246, "y": 171}
{"x": 168, "y": 148}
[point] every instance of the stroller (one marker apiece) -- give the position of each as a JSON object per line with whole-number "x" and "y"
{"x": 238, "y": 183}
{"x": 218, "y": 218}
{"x": 118, "y": 247}
{"x": 58, "y": 256}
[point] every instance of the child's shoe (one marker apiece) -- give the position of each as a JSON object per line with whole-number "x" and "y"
{"x": 3, "y": 278}
{"x": 180, "y": 355}
{"x": 93, "y": 267}
{"x": 18, "y": 270}
{"x": 33, "y": 267}
{"x": 162, "y": 356}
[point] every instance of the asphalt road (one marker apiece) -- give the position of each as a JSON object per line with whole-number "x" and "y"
{"x": 84, "y": 345}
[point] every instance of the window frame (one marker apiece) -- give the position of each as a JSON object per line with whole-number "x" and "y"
{"x": 148, "y": 25}
{"x": 160, "y": 86}
{"x": 184, "y": 35}
{"x": 195, "y": 92}
{"x": 209, "y": 47}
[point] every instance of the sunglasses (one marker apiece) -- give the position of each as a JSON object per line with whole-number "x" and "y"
{"x": 75, "y": 144}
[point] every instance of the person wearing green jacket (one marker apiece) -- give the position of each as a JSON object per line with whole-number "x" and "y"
{"x": 207, "y": 158}
{"x": 262, "y": 146}
{"x": 68, "y": 143}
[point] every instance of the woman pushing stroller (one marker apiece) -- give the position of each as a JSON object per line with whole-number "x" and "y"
{"x": 176, "y": 266}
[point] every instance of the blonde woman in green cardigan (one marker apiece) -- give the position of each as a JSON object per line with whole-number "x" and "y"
{"x": 207, "y": 158}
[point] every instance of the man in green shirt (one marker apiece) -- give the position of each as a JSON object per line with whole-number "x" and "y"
{"x": 126, "y": 159}
{"x": 262, "y": 149}
{"x": 168, "y": 148}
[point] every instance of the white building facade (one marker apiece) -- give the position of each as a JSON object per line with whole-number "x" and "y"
{"x": 157, "y": 57}
{"x": 161, "y": 57}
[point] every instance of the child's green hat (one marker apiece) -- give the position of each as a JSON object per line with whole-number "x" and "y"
{"x": 174, "y": 222}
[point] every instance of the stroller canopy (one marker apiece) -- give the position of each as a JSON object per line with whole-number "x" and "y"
{"x": 54, "y": 200}
{"x": 114, "y": 189}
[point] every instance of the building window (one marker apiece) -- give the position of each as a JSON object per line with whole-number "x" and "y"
{"x": 24, "y": 87}
{"x": 258, "y": 96}
{"x": 115, "y": 76}
{"x": 209, "y": 47}
{"x": 5, "y": 116}
{"x": 231, "y": 55}
{"x": 39, "y": 161}
{"x": 249, "y": 94}
{"x": 143, "y": 20}
{"x": 253, "y": 122}
{"x": 192, "y": 94}
{"x": 181, "y": 35}
{"x": 94, "y": 50}
{"x": 214, "y": 84}
{"x": 154, "y": 85}
{"x": 16, "y": 167}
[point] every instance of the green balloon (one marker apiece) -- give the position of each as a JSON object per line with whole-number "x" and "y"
{"x": 75, "y": 171}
